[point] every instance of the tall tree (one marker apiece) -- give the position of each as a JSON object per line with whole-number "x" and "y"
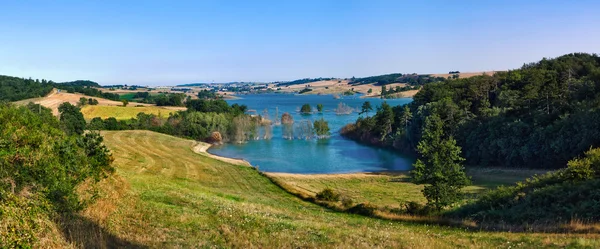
{"x": 71, "y": 119}
{"x": 366, "y": 108}
{"x": 439, "y": 165}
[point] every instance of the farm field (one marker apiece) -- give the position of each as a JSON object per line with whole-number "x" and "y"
{"x": 55, "y": 98}
{"x": 120, "y": 112}
{"x": 170, "y": 196}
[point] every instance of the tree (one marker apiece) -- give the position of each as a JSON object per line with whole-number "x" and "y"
{"x": 320, "y": 107}
{"x": 82, "y": 101}
{"x": 370, "y": 90}
{"x": 383, "y": 91}
{"x": 405, "y": 117}
{"x": 439, "y": 165}
{"x": 366, "y": 108}
{"x": 71, "y": 119}
{"x": 385, "y": 120}
{"x": 306, "y": 109}
{"x": 125, "y": 102}
{"x": 321, "y": 128}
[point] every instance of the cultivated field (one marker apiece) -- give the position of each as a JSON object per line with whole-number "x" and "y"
{"x": 169, "y": 196}
{"x": 55, "y": 98}
{"x": 120, "y": 112}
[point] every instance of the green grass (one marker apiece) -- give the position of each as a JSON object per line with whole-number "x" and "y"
{"x": 177, "y": 198}
{"x": 393, "y": 188}
{"x": 127, "y": 96}
{"x": 120, "y": 112}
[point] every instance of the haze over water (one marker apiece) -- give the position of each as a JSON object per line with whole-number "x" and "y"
{"x": 333, "y": 155}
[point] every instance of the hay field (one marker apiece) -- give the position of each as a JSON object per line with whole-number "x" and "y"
{"x": 128, "y": 112}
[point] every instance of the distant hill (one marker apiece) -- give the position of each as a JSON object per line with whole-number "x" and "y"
{"x": 80, "y": 83}
{"x": 386, "y": 79}
{"x": 194, "y": 84}
{"x": 302, "y": 81}
{"x": 14, "y": 88}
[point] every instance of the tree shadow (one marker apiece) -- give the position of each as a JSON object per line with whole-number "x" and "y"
{"x": 85, "y": 233}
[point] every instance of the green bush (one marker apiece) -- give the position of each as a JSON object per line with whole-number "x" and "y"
{"x": 328, "y": 195}
{"x": 365, "y": 209}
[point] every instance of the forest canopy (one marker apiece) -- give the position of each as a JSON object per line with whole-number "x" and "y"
{"x": 538, "y": 116}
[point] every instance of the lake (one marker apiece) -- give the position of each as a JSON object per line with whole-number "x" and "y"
{"x": 333, "y": 155}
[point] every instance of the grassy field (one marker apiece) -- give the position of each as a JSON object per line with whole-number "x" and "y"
{"x": 165, "y": 195}
{"x": 390, "y": 189}
{"x": 120, "y": 112}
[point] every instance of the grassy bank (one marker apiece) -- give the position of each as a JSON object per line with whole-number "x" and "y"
{"x": 177, "y": 198}
{"x": 120, "y": 112}
{"x": 391, "y": 189}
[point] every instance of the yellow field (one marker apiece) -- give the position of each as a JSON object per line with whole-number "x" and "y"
{"x": 120, "y": 112}
{"x": 166, "y": 196}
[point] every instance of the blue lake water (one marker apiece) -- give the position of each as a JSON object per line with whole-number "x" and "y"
{"x": 333, "y": 155}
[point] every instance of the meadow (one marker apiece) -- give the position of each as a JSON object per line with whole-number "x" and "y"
{"x": 165, "y": 195}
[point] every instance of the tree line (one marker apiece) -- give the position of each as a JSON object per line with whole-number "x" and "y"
{"x": 538, "y": 116}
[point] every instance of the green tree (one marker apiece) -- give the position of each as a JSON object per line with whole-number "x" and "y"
{"x": 439, "y": 165}
{"x": 306, "y": 109}
{"x": 320, "y": 107}
{"x": 366, "y": 108}
{"x": 125, "y": 102}
{"x": 321, "y": 128}
{"x": 82, "y": 101}
{"x": 405, "y": 117}
{"x": 385, "y": 120}
{"x": 370, "y": 90}
{"x": 383, "y": 91}
{"x": 71, "y": 119}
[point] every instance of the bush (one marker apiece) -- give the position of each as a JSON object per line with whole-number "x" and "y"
{"x": 347, "y": 202}
{"x": 306, "y": 109}
{"x": 328, "y": 195}
{"x": 366, "y": 209}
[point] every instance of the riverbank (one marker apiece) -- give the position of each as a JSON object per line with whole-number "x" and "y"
{"x": 202, "y": 147}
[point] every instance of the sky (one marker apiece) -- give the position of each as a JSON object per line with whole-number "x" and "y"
{"x": 176, "y": 42}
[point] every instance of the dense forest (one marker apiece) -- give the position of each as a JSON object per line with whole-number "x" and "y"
{"x": 161, "y": 99}
{"x": 539, "y": 116}
{"x": 14, "y": 88}
{"x": 411, "y": 79}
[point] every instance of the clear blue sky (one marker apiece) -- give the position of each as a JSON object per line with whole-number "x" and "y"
{"x": 169, "y": 42}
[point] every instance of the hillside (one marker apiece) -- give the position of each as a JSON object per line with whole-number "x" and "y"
{"x": 57, "y": 97}
{"x": 539, "y": 116}
{"x": 177, "y": 198}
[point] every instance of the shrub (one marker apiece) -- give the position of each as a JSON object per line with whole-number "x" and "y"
{"x": 306, "y": 109}
{"x": 328, "y": 195}
{"x": 365, "y": 208}
{"x": 347, "y": 202}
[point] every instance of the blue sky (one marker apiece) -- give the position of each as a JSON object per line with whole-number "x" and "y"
{"x": 170, "y": 42}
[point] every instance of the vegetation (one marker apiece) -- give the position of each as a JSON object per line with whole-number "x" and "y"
{"x": 320, "y": 107}
{"x": 14, "y": 89}
{"x": 306, "y": 109}
{"x": 539, "y": 116}
{"x": 321, "y": 128}
{"x": 177, "y": 198}
{"x": 386, "y": 79}
{"x": 565, "y": 196}
{"x": 123, "y": 113}
{"x": 439, "y": 166}
{"x": 305, "y": 90}
{"x": 206, "y": 94}
{"x": 302, "y": 81}
{"x": 43, "y": 171}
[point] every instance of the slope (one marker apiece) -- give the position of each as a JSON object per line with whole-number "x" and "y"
{"x": 177, "y": 198}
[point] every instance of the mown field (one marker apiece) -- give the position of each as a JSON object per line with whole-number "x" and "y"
{"x": 120, "y": 112}
{"x": 165, "y": 195}
{"x": 392, "y": 189}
